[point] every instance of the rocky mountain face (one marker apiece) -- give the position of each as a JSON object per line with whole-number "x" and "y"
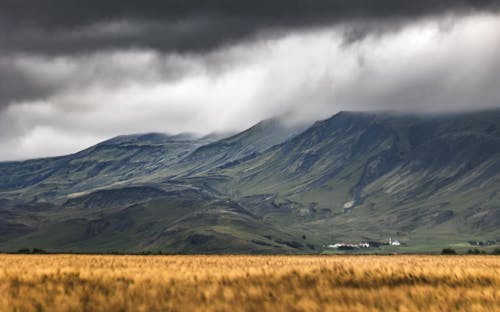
{"x": 429, "y": 181}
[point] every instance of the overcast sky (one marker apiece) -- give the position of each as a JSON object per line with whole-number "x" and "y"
{"x": 73, "y": 73}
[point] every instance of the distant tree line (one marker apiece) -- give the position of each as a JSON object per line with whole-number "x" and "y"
{"x": 475, "y": 251}
{"x": 444, "y": 251}
{"x": 32, "y": 251}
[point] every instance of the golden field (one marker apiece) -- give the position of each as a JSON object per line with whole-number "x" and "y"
{"x": 249, "y": 283}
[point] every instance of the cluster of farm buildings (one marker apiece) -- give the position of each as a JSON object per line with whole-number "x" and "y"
{"x": 392, "y": 242}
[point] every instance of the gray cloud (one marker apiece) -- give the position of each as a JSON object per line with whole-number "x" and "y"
{"x": 18, "y": 83}
{"x": 74, "y": 73}
{"x": 71, "y": 26}
{"x": 61, "y": 28}
{"x": 425, "y": 68}
{"x": 72, "y": 13}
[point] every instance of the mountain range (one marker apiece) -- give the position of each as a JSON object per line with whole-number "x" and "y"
{"x": 429, "y": 181}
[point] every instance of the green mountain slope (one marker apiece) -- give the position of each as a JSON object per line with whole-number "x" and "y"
{"x": 368, "y": 176}
{"x": 428, "y": 181}
{"x": 233, "y": 150}
{"x": 181, "y": 220}
{"x": 114, "y": 162}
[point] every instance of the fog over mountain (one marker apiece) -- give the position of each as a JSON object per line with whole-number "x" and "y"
{"x": 75, "y": 73}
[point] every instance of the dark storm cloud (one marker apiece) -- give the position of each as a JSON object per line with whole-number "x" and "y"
{"x": 16, "y": 85}
{"x": 71, "y": 13}
{"x": 67, "y": 27}
{"x": 73, "y": 73}
{"x": 71, "y": 26}
{"x": 30, "y": 78}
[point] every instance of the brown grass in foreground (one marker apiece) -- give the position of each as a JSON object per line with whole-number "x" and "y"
{"x": 249, "y": 283}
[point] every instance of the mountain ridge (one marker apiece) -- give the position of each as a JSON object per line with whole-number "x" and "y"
{"x": 428, "y": 180}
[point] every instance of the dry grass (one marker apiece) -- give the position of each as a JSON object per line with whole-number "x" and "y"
{"x": 249, "y": 283}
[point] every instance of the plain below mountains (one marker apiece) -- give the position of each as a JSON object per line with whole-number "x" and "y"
{"x": 428, "y": 181}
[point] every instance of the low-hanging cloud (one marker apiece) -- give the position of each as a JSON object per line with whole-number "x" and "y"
{"x": 68, "y": 81}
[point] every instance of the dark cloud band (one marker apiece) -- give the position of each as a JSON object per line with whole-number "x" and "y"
{"x": 68, "y": 13}
{"x": 71, "y": 26}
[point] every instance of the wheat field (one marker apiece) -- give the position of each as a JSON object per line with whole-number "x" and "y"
{"x": 249, "y": 283}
